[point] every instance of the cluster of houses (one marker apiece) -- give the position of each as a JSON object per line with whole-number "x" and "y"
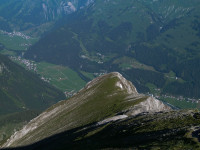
{"x": 178, "y": 98}
{"x": 98, "y": 58}
{"x": 69, "y": 93}
{"x": 14, "y": 33}
{"x": 30, "y": 65}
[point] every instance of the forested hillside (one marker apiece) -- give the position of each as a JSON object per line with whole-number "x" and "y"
{"x": 22, "y": 90}
{"x": 149, "y": 42}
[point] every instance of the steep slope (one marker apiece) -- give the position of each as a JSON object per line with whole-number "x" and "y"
{"x": 166, "y": 131}
{"x": 107, "y": 98}
{"x": 9, "y": 123}
{"x": 144, "y": 37}
{"x": 21, "y": 90}
{"x": 23, "y": 95}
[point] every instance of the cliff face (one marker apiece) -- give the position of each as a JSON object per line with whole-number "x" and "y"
{"x": 151, "y": 105}
{"x": 105, "y": 99}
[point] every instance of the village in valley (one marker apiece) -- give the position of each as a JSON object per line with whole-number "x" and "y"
{"x": 32, "y": 66}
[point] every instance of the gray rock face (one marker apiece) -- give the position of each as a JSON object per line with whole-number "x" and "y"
{"x": 150, "y": 105}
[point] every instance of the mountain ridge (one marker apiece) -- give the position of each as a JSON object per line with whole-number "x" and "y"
{"x": 116, "y": 95}
{"x": 142, "y": 123}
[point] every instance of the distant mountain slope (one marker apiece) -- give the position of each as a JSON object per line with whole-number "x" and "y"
{"x": 109, "y": 114}
{"x": 22, "y": 90}
{"x": 109, "y": 97}
{"x": 35, "y": 16}
{"x": 124, "y": 36}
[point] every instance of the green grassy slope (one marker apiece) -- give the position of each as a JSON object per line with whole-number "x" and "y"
{"x": 20, "y": 89}
{"x": 100, "y": 99}
{"x": 22, "y": 96}
{"x": 101, "y": 116}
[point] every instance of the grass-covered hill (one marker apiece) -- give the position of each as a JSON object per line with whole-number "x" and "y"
{"x": 22, "y": 90}
{"x": 144, "y": 40}
{"x": 108, "y": 97}
{"x": 109, "y": 113}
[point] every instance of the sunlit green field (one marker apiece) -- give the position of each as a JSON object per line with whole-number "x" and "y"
{"x": 16, "y": 42}
{"x": 61, "y": 77}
